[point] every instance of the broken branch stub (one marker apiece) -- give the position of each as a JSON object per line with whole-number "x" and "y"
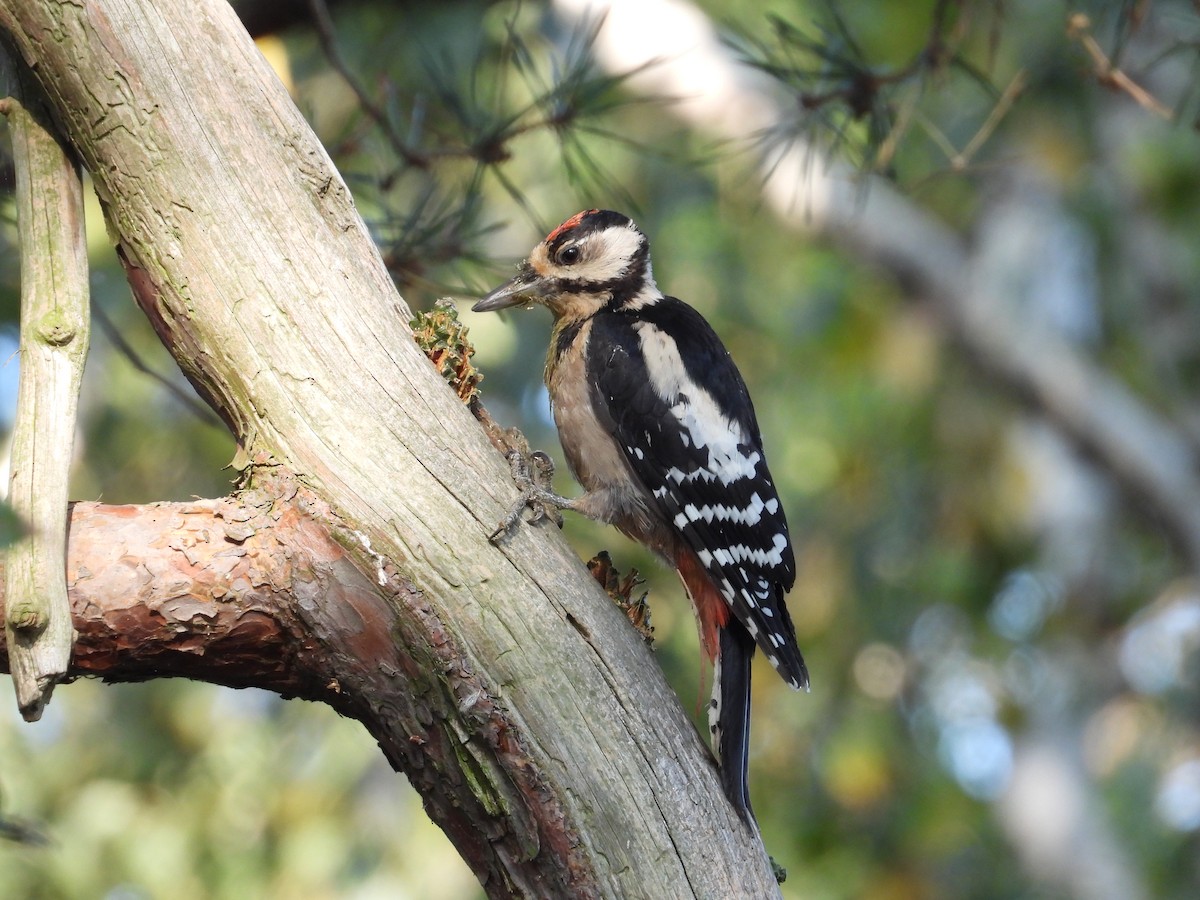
{"x": 53, "y": 348}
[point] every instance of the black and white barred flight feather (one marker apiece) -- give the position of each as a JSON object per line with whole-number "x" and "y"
{"x": 680, "y": 411}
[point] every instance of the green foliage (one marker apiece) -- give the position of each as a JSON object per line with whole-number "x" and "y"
{"x": 859, "y": 99}
{"x": 454, "y": 116}
{"x": 180, "y": 790}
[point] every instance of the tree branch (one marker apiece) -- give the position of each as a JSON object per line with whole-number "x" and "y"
{"x": 203, "y": 590}
{"x": 54, "y": 346}
{"x": 256, "y": 590}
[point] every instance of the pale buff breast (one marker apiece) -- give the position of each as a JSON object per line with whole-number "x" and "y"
{"x": 595, "y": 459}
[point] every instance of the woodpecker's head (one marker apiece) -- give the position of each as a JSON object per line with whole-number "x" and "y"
{"x": 595, "y": 259}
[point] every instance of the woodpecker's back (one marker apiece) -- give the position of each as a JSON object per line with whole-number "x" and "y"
{"x": 657, "y": 425}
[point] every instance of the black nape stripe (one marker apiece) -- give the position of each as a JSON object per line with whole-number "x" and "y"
{"x": 566, "y": 337}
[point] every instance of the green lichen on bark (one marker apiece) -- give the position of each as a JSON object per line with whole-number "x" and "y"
{"x": 444, "y": 339}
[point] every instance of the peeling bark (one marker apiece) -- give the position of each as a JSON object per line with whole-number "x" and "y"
{"x": 258, "y": 590}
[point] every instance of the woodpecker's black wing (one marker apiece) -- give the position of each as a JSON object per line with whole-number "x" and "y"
{"x": 679, "y": 409}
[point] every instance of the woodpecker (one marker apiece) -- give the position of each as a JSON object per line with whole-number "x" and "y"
{"x": 657, "y": 425}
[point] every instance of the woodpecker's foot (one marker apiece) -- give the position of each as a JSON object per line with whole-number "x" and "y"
{"x": 532, "y": 474}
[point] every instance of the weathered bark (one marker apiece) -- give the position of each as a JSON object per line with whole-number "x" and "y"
{"x": 211, "y": 590}
{"x": 54, "y": 346}
{"x": 258, "y": 590}
{"x": 576, "y": 771}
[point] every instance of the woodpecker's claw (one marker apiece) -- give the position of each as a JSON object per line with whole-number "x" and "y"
{"x": 532, "y": 474}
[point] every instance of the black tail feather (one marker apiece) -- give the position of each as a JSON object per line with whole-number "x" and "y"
{"x": 730, "y": 721}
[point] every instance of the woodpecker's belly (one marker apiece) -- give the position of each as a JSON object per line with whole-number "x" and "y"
{"x": 613, "y": 492}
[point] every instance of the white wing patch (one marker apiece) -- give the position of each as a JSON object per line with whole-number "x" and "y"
{"x": 713, "y": 486}
{"x": 703, "y": 424}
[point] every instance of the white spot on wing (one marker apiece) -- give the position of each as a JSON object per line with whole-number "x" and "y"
{"x": 738, "y": 553}
{"x": 702, "y": 420}
{"x": 751, "y": 515}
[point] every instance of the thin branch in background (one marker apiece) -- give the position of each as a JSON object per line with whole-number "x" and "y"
{"x": 576, "y": 92}
{"x": 851, "y": 108}
{"x": 900, "y": 128}
{"x": 191, "y": 403}
{"x": 323, "y": 25}
{"x": 518, "y": 196}
{"x": 21, "y": 831}
{"x": 573, "y": 101}
{"x": 1108, "y": 73}
{"x": 436, "y": 229}
{"x": 477, "y": 124}
{"x": 1014, "y": 90}
{"x": 1130, "y": 19}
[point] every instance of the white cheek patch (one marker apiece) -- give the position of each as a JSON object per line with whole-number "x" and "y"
{"x": 606, "y": 255}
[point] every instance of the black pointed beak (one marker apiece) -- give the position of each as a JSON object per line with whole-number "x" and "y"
{"x": 525, "y": 288}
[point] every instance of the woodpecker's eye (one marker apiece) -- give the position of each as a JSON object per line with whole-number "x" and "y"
{"x": 569, "y": 255}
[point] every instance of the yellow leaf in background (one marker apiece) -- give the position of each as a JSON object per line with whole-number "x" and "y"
{"x": 275, "y": 50}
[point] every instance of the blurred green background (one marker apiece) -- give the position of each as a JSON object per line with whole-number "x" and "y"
{"x": 1004, "y": 645}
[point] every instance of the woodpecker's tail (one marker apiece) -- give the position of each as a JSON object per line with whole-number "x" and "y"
{"x": 729, "y": 714}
